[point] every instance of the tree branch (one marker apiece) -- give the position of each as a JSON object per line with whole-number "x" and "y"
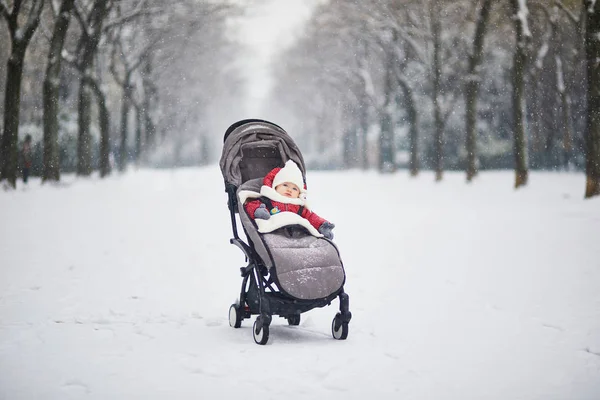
{"x": 411, "y": 42}
{"x": 113, "y": 69}
{"x": 4, "y": 10}
{"x": 33, "y": 19}
{"x": 12, "y": 16}
{"x": 16, "y": 8}
{"x": 450, "y": 110}
{"x": 136, "y": 104}
{"x": 95, "y": 86}
{"x": 78, "y": 12}
{"x": 142, "y": 54}
{"x": 137, "y": 12}
{"x": 569, "y": 13}
{"x": 45, "y": 31}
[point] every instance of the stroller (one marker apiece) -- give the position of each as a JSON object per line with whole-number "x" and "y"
{"x": 289, "y": 271}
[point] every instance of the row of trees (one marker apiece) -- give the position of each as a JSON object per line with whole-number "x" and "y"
{"x": 84, "y": 62}
{"x": 461, "y": 84}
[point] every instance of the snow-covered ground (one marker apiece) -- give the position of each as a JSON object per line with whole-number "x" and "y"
{"x": 120, "y": 288}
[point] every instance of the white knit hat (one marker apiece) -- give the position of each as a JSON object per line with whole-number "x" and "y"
{"x": 290, "y": 173}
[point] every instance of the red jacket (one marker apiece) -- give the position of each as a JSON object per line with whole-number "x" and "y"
{"x": 313, "y": 218}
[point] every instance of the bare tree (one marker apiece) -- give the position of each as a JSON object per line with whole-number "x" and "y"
{"x": 149, "y": 102}
{"x": 111, "y": 30}
{"x": 562, "y": 89}
{"x": 592, "y": 138}
{"x": 337, "y": 86}
{"x": 91, "y": 31}
{"x": 472, "y": 87}
{"x": 555, "y": 56}
{"x": 438, "y": 63}
{"x": 129, "y": 59}
{"x": 178, "y": 114}
{"x": 436, "y": 74}
{"x": 387, "y": 148}
{"x": 50, "y": 92}
{"x": 105, "y": 167}
{"x": 408, "y": 51}
{"x": 519, "y": 11}
{"x": 20, "y": 37}
{"x": 413, "y": 118}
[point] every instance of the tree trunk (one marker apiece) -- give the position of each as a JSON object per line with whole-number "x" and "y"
{"x": 520, "y": 142}
{"x": 562, "y": 88}
{"x": 138, "y": 134}
{"x": 568, "y": 135}
{"x": 150, "y": 93}
{"x": 104, "y": 137}
{"x": 364, "y": 105}
{"x": 12, "y": 103}
{"x": 347, "y": 148}
{"x": 386, "y": 148}
{"x": 205, "y": 151}
{"x": 364, "y": 128}
{"x": 386, "y": 135}
{"x": 536, "y": 122}
{"x": 413, "y": 121}
{"x": 51, "y": 169}
{"x": 125, "y": 105}
{"x": 20, "y": 38}
{"x": 437, "y": 72}
{"x": 88, "y": 45}
{"x": 150, "y": 132}
{"x": 592, "y": 138}
{"x": 472, "y": 88}
{"x": 104, "y": 130}
{"x": 84, "y": 145}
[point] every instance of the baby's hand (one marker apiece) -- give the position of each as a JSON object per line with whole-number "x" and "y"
{"x": 326, "y": 230}
{"x": 262, "y": 212}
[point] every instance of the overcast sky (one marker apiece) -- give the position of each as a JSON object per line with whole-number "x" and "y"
{"x": 267, "y": 27}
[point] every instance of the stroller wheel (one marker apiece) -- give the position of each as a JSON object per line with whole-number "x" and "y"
{"x": 339, "y": 329}
{"x": 260, "y": 332}
{"x": 294, "y": 319}
{"x": 235, "y": 316}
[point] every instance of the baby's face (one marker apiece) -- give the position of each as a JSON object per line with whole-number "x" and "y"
{"x": 288, "y": 189}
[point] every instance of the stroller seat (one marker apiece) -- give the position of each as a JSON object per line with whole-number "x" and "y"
{"x": 289, "y": 270}
{"x": 303, "y": 266}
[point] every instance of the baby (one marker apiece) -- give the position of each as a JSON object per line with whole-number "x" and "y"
{"x": 284, "y": 191}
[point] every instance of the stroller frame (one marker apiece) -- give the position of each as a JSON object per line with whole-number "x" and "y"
{"x": 259, "y": 294}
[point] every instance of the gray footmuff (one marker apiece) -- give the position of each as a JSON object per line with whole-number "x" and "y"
{"x": 306, "y": 267}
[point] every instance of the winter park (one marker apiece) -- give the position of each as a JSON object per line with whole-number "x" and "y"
{"x": 300, "y": 199}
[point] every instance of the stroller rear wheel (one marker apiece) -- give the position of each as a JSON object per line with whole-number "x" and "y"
{"x": 293, "y": 320}
{"x": 339, "y": 328}
{"x": 235, "y": 316}
{"x": 260, "y": 331}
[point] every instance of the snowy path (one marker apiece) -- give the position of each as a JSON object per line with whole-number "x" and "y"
{"x": 119, "y": 289}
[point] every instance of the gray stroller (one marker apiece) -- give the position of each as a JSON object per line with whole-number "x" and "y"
{"x": 289, "y": 271}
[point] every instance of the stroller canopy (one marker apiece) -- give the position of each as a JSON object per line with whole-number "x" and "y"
{"x": 253, "y": 147}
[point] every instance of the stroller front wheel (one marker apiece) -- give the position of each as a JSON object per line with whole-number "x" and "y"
{"x": 235, "y": 316}
{"x": 260, "y": 331}
{"x": 339, "y": 328}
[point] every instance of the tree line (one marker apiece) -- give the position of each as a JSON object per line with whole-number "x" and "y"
{"x": 449, "y": 84}
{"x": 114, "y": 74}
